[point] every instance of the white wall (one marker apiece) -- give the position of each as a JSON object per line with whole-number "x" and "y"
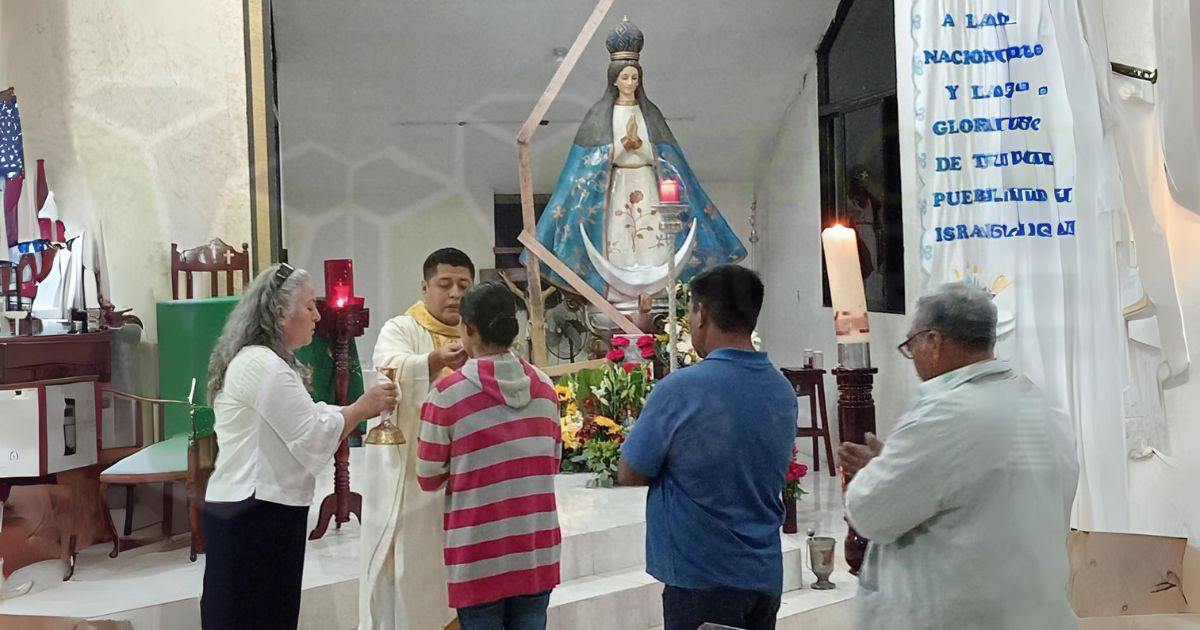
{"x": 139, "y": 109}
{"x": 789, "y": 207}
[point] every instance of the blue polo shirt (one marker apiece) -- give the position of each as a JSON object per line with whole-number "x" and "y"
{"x": 715, "y": 440}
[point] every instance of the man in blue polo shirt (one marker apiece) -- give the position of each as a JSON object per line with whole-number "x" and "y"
{"x": 713, "y": 443}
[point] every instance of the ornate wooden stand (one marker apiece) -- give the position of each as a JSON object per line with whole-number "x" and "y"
{"x": 340, "y": 325}
{"x": 856, "y": 418}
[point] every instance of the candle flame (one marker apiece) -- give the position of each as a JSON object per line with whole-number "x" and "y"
{"x": 341, "y": 302}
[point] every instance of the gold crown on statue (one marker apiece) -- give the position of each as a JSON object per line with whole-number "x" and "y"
{"x": 625, "y": 42}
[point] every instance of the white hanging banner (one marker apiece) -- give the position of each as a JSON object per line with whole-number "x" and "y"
{"x": 1004, "y": 146}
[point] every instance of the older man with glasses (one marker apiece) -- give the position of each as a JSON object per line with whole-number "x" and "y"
{"x": 968, "y": 505}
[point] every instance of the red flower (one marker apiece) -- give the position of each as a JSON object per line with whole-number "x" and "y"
{"x": 620, "y": 342}
{"x": 645, "y": 341}
{"x": 615, "y": 355}
{"x": 795, "y": 472}
{"x": 648, "y": 352}
{"x": 630, "y": 367}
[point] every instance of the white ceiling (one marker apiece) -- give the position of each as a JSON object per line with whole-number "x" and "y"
{"x": 382, "y": 85}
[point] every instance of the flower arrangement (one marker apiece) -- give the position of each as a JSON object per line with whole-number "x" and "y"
{"x": 594, "y": 427}
{"x": 791, "y": 481}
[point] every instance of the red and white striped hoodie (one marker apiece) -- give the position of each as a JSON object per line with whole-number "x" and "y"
{"x": 490, "y": 433}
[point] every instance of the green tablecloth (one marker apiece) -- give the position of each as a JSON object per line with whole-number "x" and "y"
{"x": 187, "y": 332}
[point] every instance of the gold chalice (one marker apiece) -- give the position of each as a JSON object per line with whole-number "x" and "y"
{"x": 385, "y": 432}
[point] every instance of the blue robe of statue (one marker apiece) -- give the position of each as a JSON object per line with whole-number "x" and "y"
{"x": 581, "y": 198}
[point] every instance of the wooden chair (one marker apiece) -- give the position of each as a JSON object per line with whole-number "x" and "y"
{"x": 212, "y": 258}
{"x": 186, "y": 458}
{"x": 7, "y": 270}
{"x": 810, "y": 383}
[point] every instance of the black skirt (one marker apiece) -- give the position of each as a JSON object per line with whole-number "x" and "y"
{"x": 253, "y": 566}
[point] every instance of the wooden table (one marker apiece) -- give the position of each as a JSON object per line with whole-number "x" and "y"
{"x": 55, "y": 357}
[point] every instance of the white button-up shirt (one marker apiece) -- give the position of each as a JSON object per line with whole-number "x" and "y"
{"x": 273, "y": 438}
{"x": 967, "y": 509}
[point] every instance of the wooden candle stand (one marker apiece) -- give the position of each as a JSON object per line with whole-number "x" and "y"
{"x": 856, "y": 418}
{"x": 340, "y": 325}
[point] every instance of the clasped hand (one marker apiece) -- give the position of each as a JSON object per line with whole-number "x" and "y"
{"x": 854, "y": 457}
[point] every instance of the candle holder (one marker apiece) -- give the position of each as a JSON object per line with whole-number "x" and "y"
{"x": 856, "y": 418}
{"x": 339, "y": 282}
{"x": 671, "y": 224}
{"x": 340, "y": 325}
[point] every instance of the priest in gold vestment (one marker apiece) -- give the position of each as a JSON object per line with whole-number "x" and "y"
{"x": 403, "y": 584}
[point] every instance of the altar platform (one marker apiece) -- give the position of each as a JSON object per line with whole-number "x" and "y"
{"x": 604, "y": 585}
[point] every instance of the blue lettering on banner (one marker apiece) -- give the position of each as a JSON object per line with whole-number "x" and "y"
{"x": 962, "y": 231}
{"x": 976, "y": 56}
{"x": 1005, "y": 90}
{"x": 968, "y": 197}
{"x": 988, "y": 19}
{"x": 985, "y": 125}
{"x": 949, "y": 163}
{"x": 1013, "y": 158}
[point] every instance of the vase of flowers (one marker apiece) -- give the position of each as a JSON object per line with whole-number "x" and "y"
{"x": 792, "y": 492}
{"x": 595, "y": 425}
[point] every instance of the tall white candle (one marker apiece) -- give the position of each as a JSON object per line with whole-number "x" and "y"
{"x": 846, "y": 285}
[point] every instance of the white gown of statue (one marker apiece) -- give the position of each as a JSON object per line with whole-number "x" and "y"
{"x": 632, "y": 235}
{"x": 403, "y": 584}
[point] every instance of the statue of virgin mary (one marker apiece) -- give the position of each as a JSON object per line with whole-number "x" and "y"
{"x": 608, "y": 191}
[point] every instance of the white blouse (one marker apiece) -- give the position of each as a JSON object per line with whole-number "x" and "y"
{"x": 273, "y": 438}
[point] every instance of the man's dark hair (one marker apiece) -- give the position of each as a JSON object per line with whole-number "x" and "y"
{"x": 447, "y": 256}
{"x": 732, "y": 295}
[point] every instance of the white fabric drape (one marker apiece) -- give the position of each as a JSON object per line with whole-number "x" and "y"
{"x": 1059, "y": 288}
{"x": 1176, "y": 28}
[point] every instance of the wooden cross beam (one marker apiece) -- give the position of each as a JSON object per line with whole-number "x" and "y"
{"x": 537, "y": 314}
{"x": 537, "y": 250}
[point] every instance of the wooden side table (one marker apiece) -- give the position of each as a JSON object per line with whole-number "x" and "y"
{"x": 810, "y": 383}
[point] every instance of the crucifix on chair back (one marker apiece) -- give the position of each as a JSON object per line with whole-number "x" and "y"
{"x": 213, "y": 258}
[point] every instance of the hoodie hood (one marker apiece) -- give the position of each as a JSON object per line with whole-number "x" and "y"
{"x": 505, "y": 378}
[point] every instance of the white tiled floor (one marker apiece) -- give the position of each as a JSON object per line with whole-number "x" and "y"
{"x": 604, "y": 586}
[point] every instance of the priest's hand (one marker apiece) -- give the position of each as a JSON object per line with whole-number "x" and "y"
{"x": 451, "y": 356}
{"x": 854, "y": 457}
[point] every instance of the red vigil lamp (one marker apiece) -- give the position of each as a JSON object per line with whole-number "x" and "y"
{"x": 339, "y": 284}
{"x": 668, "y": 191}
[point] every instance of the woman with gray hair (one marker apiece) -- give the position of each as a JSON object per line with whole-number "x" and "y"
{"x": 273, "y": 440}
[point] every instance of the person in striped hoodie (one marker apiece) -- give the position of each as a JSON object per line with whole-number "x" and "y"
{"x": 490, "y": 435}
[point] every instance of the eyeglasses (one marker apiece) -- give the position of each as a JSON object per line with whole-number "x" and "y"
{"x": 905, "y": 348}
{"x": 282, "y": 274}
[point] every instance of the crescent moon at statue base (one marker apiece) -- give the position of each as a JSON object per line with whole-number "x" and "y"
{"x": 647, "y": 280}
